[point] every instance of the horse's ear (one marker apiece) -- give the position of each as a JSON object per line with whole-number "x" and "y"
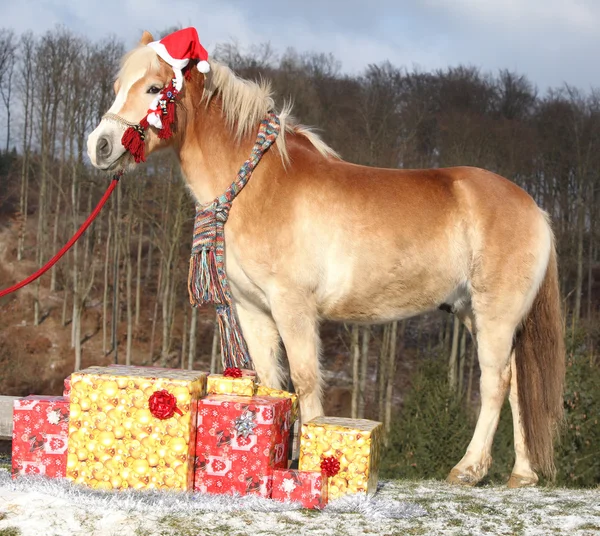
{"x": 146, "y": 38}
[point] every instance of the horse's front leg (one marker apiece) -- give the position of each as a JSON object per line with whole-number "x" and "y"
{"x": 264, "y": 343}
{"x": 297, "y": 321}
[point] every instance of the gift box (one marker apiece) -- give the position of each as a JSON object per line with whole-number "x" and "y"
{"x": 240, "y": 440}
{"x": 346, "y": 449}
{"x": 39, "y": 441}
{"x": 309, "y": 488}
{"x": 133, "y": 427}
{"x": 262, "y": 390}
{"x": 233, "y": 381}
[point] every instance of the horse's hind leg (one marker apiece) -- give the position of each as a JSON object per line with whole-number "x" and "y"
{"x": 494, "y": 342}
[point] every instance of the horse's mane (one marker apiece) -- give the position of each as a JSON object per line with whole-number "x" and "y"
{"x": 244, "y": 102}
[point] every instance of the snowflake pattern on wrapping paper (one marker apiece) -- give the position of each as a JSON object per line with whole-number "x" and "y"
{"x": 56, "y": 444}
{"x": 218, "y": 465}
{"x": 288, "y": 485}
{"x": 53, "y": 416}
{"x": 243, "y": 441}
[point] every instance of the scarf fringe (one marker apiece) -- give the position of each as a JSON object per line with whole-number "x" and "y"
{"x": 234, "y": 351}
{"x": 203, "y": 279}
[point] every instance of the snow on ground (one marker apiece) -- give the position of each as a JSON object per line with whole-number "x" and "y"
{"x": 54, "y": 507}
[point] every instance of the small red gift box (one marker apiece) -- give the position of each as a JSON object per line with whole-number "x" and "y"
{"x": 309, "y": 488}
{"x": 239, "y": 441}
{"x": 40, "y": 435}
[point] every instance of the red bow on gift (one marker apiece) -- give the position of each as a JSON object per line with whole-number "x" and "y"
{"x": 330, "y": 466}
{"x": 163, "y": 405}
{"x": 232, "y": 372}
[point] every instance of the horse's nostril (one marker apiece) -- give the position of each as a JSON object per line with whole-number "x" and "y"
{"x": 103, "y": 148}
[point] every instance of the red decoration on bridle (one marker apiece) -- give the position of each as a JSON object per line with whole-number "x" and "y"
{"x": 134, "y": 138}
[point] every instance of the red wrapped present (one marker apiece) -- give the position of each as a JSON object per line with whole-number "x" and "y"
{"x": 40, "y": 435}
{"x": 309, "y": 488}
{"x": 239, "y": 441}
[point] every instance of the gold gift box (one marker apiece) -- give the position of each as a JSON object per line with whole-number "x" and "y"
{"x": 115, "y": 442}
{"x": 217, "y": 384}
{"x": 261, "y": 390}
{"x": 355, "y": 443}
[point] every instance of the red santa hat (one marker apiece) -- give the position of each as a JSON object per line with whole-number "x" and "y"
{"x": 178, "y": 48}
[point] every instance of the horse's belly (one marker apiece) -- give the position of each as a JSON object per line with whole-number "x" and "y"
{"x": 384, "y": 291}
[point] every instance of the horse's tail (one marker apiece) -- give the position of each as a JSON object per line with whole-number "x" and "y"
{"x": 540, "y": 364}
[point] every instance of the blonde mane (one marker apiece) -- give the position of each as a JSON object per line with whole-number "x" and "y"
{"x": 245, "y": 103}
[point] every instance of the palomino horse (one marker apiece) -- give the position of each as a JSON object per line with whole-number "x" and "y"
{"x": 313, "y": 237}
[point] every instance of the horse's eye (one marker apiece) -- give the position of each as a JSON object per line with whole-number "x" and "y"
{"x": 154, "y": 90}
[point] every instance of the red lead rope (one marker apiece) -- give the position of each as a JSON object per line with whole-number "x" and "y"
{"x": 70, "y": 243}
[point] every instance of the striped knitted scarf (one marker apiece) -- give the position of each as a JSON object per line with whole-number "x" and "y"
{"x": 207, "y": 281}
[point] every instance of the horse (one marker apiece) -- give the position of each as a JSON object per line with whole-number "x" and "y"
{"x": 313, "y": 237}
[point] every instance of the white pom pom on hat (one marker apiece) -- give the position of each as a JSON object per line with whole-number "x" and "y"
{"x": 203, "y": 66}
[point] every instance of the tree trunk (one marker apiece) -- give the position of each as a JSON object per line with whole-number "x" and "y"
{"x": 184, "y": 337}
{"x": 355, "y": 351}
{"x": 382, "y": 369}
{"x": 192, "y": 347}
{"x": 106, "y": 281}
{"x": 364, "y": 365}
{"x": 128, "y": 281}
{"x": 155, "y": 313}
{"x": 138, "y": 276}
{"x": 462, "y": 356}
{"x": 470, "y": 380}
{"x": 116, "y": 260}
{"x": 214, "y": 351}
{"x": 453, "y": 355}
{"x": 579, "y": 276}
{"x": 391, "y": 373}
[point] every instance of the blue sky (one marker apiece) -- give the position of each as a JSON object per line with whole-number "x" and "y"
{"x": 551, "y": 41}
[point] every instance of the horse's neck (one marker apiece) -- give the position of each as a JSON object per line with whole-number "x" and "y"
{"x": 210, "y": 156}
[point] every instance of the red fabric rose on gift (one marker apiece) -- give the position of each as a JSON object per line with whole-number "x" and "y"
{"x": 163, "y": 405}
{"x": 232, "y": 372}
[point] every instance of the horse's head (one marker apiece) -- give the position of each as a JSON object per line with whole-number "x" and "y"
{"x": 146, "y": 88}
{"x": 140, "y": 79}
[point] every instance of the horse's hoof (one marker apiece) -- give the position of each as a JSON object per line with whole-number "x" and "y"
{"x": 519, "y": 481}
{"x": 459, "y": 478}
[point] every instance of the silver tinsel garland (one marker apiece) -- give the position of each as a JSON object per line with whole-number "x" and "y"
{"x": 378, "y": 506}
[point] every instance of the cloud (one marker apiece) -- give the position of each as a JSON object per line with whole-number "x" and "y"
{"x": 551, "y": 41}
